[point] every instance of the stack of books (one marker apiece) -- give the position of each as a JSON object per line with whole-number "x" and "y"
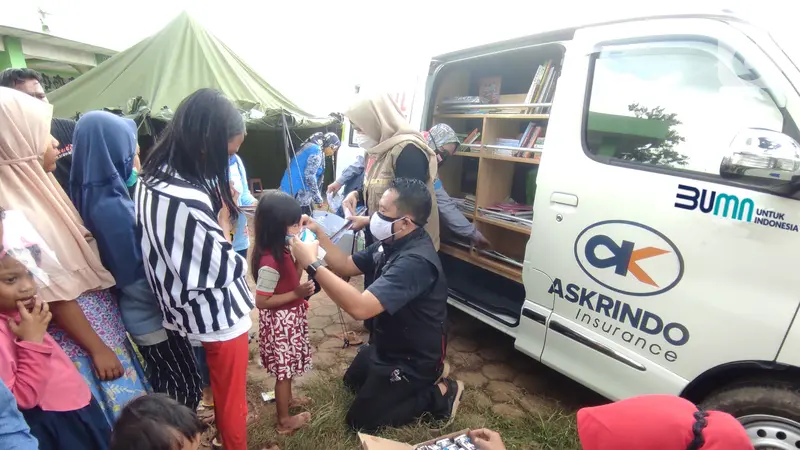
{"x": 471, "y": 138}
{"x": 532, "y": 139}
{"x": 543, "y": 87}
{"x": 466, "y": 205}
{"x": 514, "y": 213}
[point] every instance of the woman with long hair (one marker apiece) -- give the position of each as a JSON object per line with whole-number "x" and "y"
{"x": 103, "y": 160}
{"x": 86, "y": 318}
{"x": 196, "y": 274}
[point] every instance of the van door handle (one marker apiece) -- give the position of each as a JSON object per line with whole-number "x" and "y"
{"x": 564, "y": 199}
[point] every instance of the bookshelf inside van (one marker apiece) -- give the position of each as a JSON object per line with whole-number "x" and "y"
{"x": 499, "y": 105}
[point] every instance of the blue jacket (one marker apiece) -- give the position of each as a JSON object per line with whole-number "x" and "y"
{"x": 14, "y": 431}
{"x": 305, "y": 172}
{"x": 241, "y": 240}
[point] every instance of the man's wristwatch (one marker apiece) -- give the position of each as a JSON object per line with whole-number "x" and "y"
{"x": 312, "y": 268}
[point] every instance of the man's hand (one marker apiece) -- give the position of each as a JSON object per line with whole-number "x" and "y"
{"x": 359, "y": 222}
{"x": 32, "y": 326}
{"x": 311, "y": 224}
{"x": 480, "y": 241}
{"x": 350, "y": 203}
{"x": 107, "y": 365}
{"x": 304, "y": 290}
{"x": 304, "y": 253}
{"x": 334, "y": 187}
{"x": 486, "y": 440}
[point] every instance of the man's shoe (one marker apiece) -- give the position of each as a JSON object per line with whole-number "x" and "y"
{"x": 455, "y": 389}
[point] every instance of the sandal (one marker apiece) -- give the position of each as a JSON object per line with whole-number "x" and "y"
{"x": 305, "y": 417}
{"x": 352, "y": 338}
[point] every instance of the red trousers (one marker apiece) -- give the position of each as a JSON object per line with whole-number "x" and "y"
{"x": 227, "y": 365}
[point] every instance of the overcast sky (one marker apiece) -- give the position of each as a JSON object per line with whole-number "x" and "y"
{"x": 315, "y": 51}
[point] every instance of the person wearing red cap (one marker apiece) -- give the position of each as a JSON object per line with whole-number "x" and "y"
{"x": 659, "y": 422}
{"x": 649, "y": 422}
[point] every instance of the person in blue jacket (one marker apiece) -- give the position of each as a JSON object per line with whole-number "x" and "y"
{"x": 238, "y": 178}
{"x": 303, "y": 177}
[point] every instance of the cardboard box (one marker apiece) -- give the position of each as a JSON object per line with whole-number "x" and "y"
{"x": 369, "y": 442}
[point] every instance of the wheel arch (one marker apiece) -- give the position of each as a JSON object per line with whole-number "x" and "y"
{"x": 731, "y": 373}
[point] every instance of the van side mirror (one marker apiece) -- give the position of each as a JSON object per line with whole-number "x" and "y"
{"x": 763, "y": 157}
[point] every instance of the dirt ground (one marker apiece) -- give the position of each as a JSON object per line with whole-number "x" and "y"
{"x": 506, "y": 381}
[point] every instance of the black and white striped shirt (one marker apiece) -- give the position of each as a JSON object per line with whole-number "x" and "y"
{"x": 194, "y": 271}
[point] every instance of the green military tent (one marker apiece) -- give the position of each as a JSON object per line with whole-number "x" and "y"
{"x": 149, "y": 80}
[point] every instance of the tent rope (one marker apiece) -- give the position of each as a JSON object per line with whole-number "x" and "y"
{"x": 287, "y": 143}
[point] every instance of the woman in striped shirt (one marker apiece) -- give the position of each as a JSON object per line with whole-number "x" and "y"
{"x": 192, "y": 267}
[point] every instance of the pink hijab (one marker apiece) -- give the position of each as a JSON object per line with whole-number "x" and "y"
{"x": 25, "y": 187}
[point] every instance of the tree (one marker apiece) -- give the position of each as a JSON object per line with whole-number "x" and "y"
{"x": 657, "y": 151}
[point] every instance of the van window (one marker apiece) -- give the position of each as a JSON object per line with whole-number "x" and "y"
{"x": 675, "y": 104}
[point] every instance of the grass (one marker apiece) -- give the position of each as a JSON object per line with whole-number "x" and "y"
{"x": 547, "y": 430}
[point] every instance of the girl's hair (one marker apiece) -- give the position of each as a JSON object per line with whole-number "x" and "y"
{"x": 154, "y": 422}
{"x": 195, "y": 145}
{"x": 276, "y": 212}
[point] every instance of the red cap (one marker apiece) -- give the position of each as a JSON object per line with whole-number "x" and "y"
{"x": 656, "y": 422}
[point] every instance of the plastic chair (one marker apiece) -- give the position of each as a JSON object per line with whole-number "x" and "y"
{"x": 253, "y": 182}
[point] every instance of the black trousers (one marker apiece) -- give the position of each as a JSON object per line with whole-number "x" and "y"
{"x": 172, "y": 369}
{"x": 388, "y": 395}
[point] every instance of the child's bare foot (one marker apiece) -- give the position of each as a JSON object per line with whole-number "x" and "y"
{"x": 291, "y": 424}
{"x": 299, "y": 402}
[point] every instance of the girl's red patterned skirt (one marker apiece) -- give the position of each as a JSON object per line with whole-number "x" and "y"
{"x": 283, "y": 341}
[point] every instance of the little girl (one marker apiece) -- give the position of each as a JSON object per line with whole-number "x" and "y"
{"x": 283, "y": 325}
{"x": 51, "y": 393}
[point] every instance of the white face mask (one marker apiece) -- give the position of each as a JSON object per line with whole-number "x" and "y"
{"x": 364, "y": 141}
{"x": 381, "y": 226}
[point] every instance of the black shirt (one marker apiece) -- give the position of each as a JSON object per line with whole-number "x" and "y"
{"x": 411, "y": 287}
{"x": 412, "y": 162}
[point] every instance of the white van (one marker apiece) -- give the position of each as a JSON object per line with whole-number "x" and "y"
{"x": 662, "y": 248}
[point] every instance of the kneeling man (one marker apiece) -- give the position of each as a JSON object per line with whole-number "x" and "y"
{"x": 398, "y": 377}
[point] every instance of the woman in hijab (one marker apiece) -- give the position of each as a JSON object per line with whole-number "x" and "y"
{"x": 86, "y": 320}
{"x": 303, "y": 178}
{"x": 103, "y": 170}
{"x": 62, "y": 130}
{"x": 443, "y": 140}
{"x": 394, "y": 150}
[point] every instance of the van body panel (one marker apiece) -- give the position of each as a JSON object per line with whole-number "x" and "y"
{"x": 706, "y": 279}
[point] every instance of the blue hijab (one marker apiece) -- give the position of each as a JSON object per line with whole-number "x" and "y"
{"x": 103, "y": 149}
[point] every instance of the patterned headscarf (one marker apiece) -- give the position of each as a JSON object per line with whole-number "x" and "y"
{"x": 316, "y": 139}
{"x": 331, "y": 140}
{"x": 441, "y": 134}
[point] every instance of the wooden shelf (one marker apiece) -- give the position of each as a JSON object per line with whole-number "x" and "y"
{"x": 494, "y": 266}
{"x": 512, "y": 116}
{"x": 507, "y": 225}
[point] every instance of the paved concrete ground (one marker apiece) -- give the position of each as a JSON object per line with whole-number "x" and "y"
{"x": 478, "y": 354}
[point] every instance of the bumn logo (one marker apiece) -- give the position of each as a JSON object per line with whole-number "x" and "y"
{"x": 717, "y": 203}
{"x": 629, "y": 258}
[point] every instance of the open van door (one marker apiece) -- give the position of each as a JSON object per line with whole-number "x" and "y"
{"x": 665, "y": 259}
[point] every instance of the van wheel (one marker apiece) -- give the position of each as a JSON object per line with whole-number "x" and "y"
{"x": 769, "y": 412}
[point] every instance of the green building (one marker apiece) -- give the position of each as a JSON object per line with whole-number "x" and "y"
{"x": 59, "y": 60}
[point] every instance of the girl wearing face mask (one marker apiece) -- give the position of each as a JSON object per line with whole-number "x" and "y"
{"x": 303, "y": 178}
{"x": 283, "y": 328}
